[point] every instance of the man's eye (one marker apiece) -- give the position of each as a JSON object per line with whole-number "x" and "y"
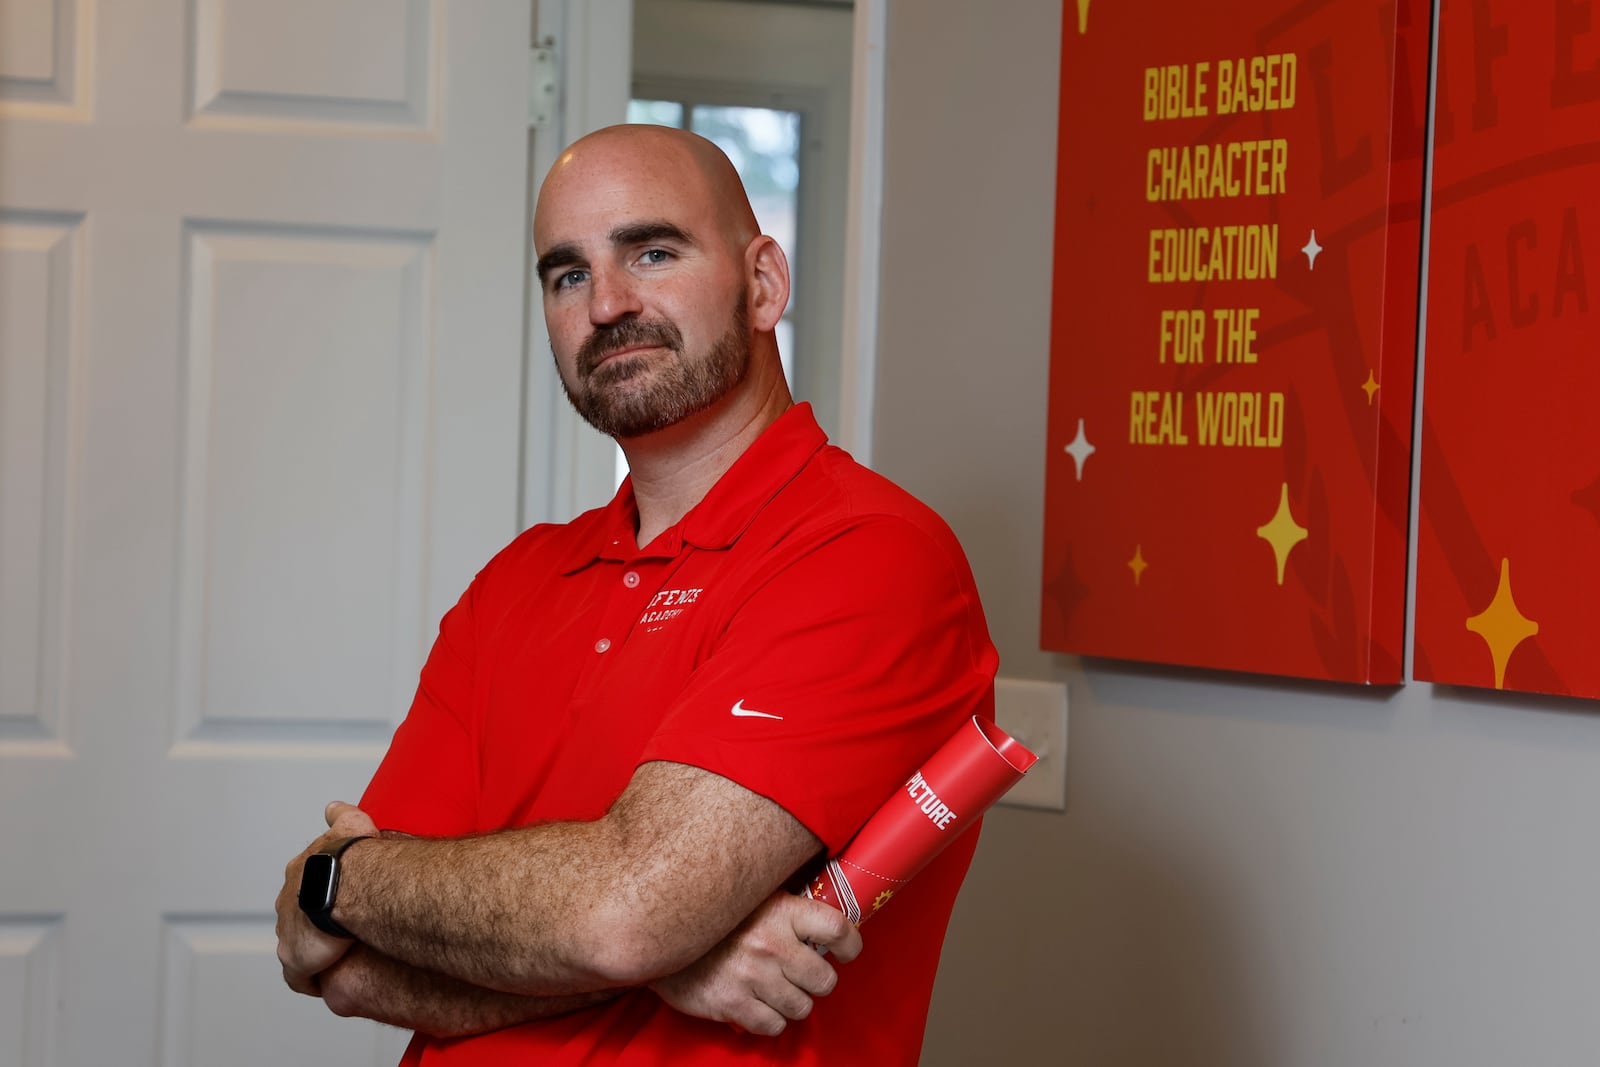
{"x": 568, "y": 279}
{"x": 655, "y": 255}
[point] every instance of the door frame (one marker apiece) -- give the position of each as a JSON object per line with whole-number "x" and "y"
{"x": 858, "y": 355}
{"x": 566, "y": 467}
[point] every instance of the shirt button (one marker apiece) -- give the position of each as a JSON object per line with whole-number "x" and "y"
{"x": 631, "y": 579}
{"x": 602, "y": 644}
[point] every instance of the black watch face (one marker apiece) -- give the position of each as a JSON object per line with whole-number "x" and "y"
{"x": 316, "y": 884}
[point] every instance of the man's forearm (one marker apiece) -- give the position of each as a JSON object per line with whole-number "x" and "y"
{"x": 576, "y": 907}
{"x": 367, "y": 984}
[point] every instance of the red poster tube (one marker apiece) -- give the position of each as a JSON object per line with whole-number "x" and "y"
{"x": 947, "y": 795}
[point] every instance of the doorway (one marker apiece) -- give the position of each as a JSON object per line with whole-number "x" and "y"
{"x": 770, "y": 82}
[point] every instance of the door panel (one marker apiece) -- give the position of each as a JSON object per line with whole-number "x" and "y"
{"x": 39, "y": 258}
{"x": 307, "y": 361}
{"x": 261, "y": 269}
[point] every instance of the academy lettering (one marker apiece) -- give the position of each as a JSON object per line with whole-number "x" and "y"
{"x": 1543, "y": 278}
{"x": 660, "y": 616}
{"x": 666, "y": 606}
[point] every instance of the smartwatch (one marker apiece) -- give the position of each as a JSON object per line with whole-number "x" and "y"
{"x": 319, "y": 886}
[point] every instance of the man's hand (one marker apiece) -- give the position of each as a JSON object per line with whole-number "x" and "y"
{"x": 303, "y": 950}
{"x": 766, "y": 972}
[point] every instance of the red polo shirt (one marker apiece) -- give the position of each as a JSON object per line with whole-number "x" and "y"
{"x": 804, "y": 588}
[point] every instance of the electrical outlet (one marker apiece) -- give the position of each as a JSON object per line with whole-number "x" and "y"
{"x": 1035, "y": 713}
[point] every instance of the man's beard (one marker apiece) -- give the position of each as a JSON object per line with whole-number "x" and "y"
{"x": 675, "y": 388}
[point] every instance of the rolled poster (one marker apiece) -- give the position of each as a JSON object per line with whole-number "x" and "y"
{"x": 955, "y": 786}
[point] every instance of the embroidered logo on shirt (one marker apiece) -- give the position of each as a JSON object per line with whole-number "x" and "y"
{"x": 666, "y": 606}
{"x": 742, "y": 712}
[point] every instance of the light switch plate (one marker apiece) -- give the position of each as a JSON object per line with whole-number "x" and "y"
{"x": 1035, "y": 713}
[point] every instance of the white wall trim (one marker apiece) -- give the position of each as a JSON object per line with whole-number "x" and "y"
{"x": 858, "y": 356}
{"x": 567, "y": 467}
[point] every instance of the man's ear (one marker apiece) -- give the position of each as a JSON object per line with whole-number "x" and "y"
{"x": 767, "y": 272}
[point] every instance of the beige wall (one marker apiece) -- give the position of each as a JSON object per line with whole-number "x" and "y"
{"x": 1250, "y": 871}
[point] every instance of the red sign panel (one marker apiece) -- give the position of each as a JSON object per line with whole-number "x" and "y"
{"x": 1234, "y": 321}
{"x": 1508, "y": 548}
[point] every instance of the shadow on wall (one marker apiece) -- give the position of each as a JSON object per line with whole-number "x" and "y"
{"x": 1184, "y": 691}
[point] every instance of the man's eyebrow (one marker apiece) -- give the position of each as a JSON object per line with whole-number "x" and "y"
{"x": 640, "y": 233}
{"x": 560, "y": 255}
{"x": 633, "y": 233}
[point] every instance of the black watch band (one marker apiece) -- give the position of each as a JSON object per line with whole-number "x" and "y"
{"x": 319, "y": 886}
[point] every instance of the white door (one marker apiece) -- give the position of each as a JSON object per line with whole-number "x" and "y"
{"x": 261, "y": 267}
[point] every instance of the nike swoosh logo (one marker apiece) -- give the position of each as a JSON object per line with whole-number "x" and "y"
{"x": 742, "y": 712}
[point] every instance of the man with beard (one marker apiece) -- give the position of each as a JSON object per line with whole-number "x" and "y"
{"x": 638, "y": 732}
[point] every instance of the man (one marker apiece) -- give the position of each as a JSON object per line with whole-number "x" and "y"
{"x": 639, "y": 732}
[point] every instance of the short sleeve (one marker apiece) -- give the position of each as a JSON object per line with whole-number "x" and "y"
{"x": 427, "y": 783}
{"x": 843, "y": 666}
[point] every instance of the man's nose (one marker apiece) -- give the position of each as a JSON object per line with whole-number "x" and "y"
{"x": 612, "y": 297}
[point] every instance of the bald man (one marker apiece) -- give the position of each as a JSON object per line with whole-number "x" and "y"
{"x": 639, "y": 732}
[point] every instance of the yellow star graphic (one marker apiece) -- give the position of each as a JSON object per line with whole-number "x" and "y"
{"x": 1282, "y": 533}
{"x": 1083, "y": 16}
{"x": 1502, "y": 626}
{"x": 1370, "y": 386}
{"x": 1137, "y": 564}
